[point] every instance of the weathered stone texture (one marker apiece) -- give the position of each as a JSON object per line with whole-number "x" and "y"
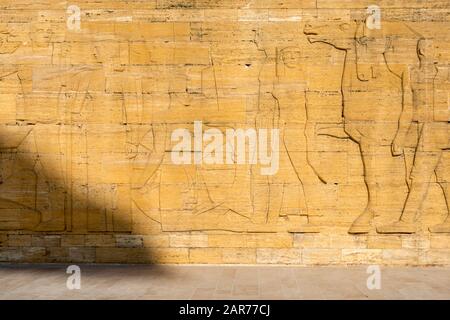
{"x": 88, "y": 105}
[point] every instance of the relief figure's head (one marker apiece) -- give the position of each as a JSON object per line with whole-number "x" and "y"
{"x": 291, "y": 56}
{"x": 338, "y": 34}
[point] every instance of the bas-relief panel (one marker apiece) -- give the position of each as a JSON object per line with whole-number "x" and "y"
{"x": 363, "y": 116}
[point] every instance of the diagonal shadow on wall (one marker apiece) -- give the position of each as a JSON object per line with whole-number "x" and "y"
{"x": 47, "y": 216}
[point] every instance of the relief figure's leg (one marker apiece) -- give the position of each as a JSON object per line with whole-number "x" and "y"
{"x": 443, "y": 178}
{"x": 424, "y": 165}
{"x": 362, "y": 222}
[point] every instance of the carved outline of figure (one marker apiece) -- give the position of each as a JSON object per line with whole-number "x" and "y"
{"x": 142, "y": 181}
{"x": 200, "y": 199}
{"x": 288, "y": 87}
{"x": 31, "y": 217}
{"x": 364, "y": 131}
{"x": 41, "y": 166}
{"x": 431, "y": 149}
{"x": 74, "y": 99}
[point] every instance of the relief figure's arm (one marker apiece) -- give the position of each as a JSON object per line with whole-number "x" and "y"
{"x": 406, "y": 115}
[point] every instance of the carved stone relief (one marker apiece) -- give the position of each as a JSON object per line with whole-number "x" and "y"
{"x": 87, "y": 122}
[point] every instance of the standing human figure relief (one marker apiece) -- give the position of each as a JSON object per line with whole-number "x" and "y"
{"x": 40, "y": 199}
{"x": 289, "y": 91}
{"x": 370, "y": 118}
{"x": 14, "y": 214}
{"x": 429, "y": 116}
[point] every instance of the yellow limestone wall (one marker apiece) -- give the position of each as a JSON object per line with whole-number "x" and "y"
{"x": 88, "y": 107}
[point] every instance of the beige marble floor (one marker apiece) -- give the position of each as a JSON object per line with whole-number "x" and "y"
{"x": 222, "y": 282}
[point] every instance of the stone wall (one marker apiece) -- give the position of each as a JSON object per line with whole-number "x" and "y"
{"x": 95, "y": 97}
